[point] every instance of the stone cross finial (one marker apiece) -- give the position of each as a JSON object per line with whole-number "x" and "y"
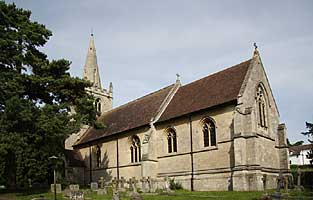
{"x": 255, "y": 46}
{"x": 255, "y": 52}
{"x": 102, "y": 182}
{"x": 177, "y": 78}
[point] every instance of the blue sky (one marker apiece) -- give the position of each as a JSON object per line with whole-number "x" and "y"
{"x": 142, "y": 44}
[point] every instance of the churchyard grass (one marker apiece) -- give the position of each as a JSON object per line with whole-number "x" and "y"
{"x": 178, "y": 195}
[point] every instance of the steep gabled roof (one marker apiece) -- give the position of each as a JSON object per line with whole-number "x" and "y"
{"x": 132, "y": 115}
{"x": 295, "y": 150}
{"x": 213, "y": 90}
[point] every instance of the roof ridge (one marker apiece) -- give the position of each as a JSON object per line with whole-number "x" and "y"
{"x": 217, "y": 72}
{"x": 135, "y": 100}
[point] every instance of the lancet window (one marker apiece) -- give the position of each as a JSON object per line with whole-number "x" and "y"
{"x": 261, "y": 106}
{"x": 171, "y": 140}
{"x": 135, "y": 149}
{"x": 209, "y": 132}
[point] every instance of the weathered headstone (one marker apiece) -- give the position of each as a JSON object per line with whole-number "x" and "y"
{"x": 264, "y": 179}
{"x": 94, "y": 186}
{"x": 101, "y": 182}
{"x": 130, "y": 184}
{"x": 116, "y": 194}
{"x": 77, "y": 195}
{"x": 167, "y": 185}
{"x": 58, "y": 188}
{"x": 144, "y": 184}
{"x": 151, "y": 184}
{"x": 286, "y": 183}
{"x": 74, "y": 187}
{"x": 102, "y": 190}
{"x": 298, "y": 186}
{"x": 277, "y": 194}
{"x": 134, "y": 184}
{"x": 115, "y": 183}
{"x": 135, "y": 196}
{"x": 122, "y": 182}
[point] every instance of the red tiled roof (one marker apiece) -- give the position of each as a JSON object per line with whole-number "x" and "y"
{"x": 129, "y": 116}
{"x": 215, "y": 89}
{"x": 295, "y": 150}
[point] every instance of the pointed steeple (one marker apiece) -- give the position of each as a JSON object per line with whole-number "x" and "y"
{"x": 91, "y": 69}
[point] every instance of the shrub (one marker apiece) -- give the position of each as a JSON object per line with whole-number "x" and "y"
{"x": 175, "y": 185}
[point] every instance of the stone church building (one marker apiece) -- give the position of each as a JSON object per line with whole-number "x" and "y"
{"x": 221, "y": 132}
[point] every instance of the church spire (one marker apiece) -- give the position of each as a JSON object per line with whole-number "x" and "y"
{"x": 91, "y": 69}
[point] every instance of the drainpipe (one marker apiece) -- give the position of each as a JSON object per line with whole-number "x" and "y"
{"x": 90, "y": 165}
{"x": 117, "y": 163}
{"x": 191, "y": 154}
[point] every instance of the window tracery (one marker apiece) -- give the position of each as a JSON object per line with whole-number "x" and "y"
{"x": 135, "y": 149}
{"x": 209, "y": 132}
{"x": 171, "y": 140}
{"x": 261, "y": 106}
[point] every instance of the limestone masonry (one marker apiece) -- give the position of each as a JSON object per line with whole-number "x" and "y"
{"x": 221, "y": 132}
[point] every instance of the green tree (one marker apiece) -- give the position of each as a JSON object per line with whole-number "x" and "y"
{"x": 309, "y": 133}
{"x": 298, "y": 143}
{"x": 36, "y": 97}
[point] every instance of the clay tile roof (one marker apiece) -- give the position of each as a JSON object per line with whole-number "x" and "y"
{"x": 132, "y": 115}
{"x": 295, "y": 150}
{"x": 215, "y": 89}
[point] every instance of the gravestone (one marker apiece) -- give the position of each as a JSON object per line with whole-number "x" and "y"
{"x": 77, "y": 195}
{"x": 167, "y": 185}
{"x": 102, "y": 190}
{"x": 116, "y": 194}
{"x": 264, "y": 180}
{"x": 122, "y": 182}
{"x": 135, "y": 196}
{"x": 286, "y": 183}
{"x": 134, "y": 184}
{"x": 74, "y": 187}
{"x": 115, "y": 183}
{"x": 277, "y": 194}
{"x": 151, "y": 184}
{"x": 144, "y": 184}
{"x": 58, "y": 188}
{"x": 94, "y": 186}
{"x": 298, "y": 186}
{"x": 130, "y": 185}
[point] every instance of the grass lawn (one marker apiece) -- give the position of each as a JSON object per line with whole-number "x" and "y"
{"x": 178, "y": 195}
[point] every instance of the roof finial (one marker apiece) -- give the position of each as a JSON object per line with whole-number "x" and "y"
{"x": 177, "y": 78}
{"x": 91, "y": 31}
{"x": 255, "y": 52}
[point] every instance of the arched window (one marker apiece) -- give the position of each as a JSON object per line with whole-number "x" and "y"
{"x": 261, "y": 106}
{"x": 98, "y": 154}
{"x": 135, "y": 151}
{"x": 98, "y": 105}
{"x": 171, "y": 140}
{"x": 209, "y": 132}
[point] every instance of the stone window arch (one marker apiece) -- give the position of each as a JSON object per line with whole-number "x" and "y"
{"x": 261, "y": 102}
{"x": 135, "y": 149}
{"x": 171, "y": 140}
{"x": 209, "y": 132}
{"x": 98, "y": 156}
{"x": 98, "y": 105}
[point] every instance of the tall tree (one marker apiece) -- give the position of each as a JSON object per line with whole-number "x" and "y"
{"x": 36, "y": 97}
{"x": 309, "y": 133}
